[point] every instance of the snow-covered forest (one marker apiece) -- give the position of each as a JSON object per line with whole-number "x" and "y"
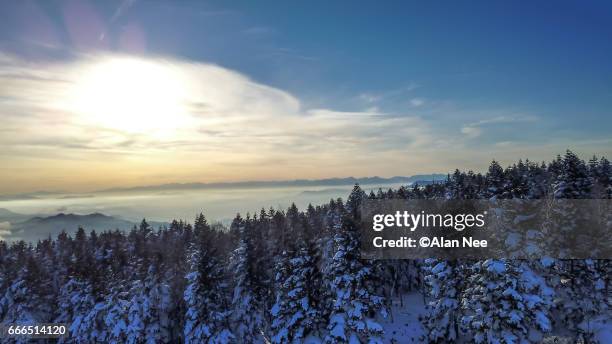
{"x": 295, "y": 276}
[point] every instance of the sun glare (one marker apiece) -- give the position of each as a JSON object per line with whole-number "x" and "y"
{"x": 131, "y": 95}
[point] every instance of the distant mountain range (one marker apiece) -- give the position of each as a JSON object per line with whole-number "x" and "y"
{"x": 12, "y": 217}
{"x": 29, "y": 228}
{"x": 421, "y": 178}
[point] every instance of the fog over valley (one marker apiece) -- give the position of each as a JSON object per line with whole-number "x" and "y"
{"x": 36, "y": 215}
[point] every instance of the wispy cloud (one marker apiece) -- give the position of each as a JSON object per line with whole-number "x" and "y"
{"x": 370, "y": 97}
{"x": 474, "y": 129}
{"x": 288, "y": 53}
{"x": 416, "y": 102}
{"x": 471, "y": 132}
{"x": 512, "y": 118}
{"x": 123, "y": 7}
{"x": 258, "y": 31}
{"x": 378, "y": 96}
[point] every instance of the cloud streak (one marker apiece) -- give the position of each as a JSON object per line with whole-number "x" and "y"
{"x": 475, "y": 129}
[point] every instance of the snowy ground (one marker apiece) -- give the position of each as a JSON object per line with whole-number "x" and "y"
{"x": 403, "y": 325}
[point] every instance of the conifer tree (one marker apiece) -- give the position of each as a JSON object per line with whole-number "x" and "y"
{"x": 580, "y": 284}
{"x": 148, "y": 314}
{"x": 206, "y": 318}
{"x": 495, "y": 181}
{"x": 247, "y": 317}
{"x": 441, "y": 321}
{"x": 295, "y": 313}
{"x": 116, "y": 312}
{"x": 355, "y": 302}
{"x": 500, "y": 307}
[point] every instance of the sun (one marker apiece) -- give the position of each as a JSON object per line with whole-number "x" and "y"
{"x": 131, "y": 95}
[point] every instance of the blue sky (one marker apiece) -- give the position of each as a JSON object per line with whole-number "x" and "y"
{"x": 501, "y": 79}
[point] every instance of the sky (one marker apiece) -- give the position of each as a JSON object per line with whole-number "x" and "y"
{"x": 101, "y": 94}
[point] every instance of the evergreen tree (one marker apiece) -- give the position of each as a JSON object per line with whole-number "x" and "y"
{"x": 148, "y": 315}
{"x": 116, "y": 310}
{"x": 495, "y": 181}
{"x": 500, "y": 308}
{"x": 75, "y": 300}
{"x": 29, "y": 298}
{"x": 580, "y": 286}
{"x": 354, "y": 295}
{"x": 247, "y": 318}
{"x": 206, "y": 318}
{"x": 295, "y": 312}
{"x": 441, "y": 321}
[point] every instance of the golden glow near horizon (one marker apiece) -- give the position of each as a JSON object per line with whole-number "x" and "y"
{"x": 111, "y": 120}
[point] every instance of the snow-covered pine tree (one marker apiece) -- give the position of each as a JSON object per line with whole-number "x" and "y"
{"x": 178, "y": 236}
{"x": 355, "y": 301}
{"x": 148, "y": 314}
{"x": 332, "y": 223}
{"x": 353, "y": 202}
{"x": 495, "y": 181}
{"x": 206, "y": 318}
{"x": 581, "y": 283}
{"x": 499, "y": 308}
{"x": 518, "y": 179}
{"x": 456, "y": 186}
{"x": 518, "y": 213}
{"x": 605, "y": 177}
{"x": 264, "y": 252}
{"x": 74, "y": 301}
{"x": 88, "y": 291}
{"x": 441, "y": 321}
{"x": 498, "y": 302}
{"x": 136, "y": 313}
{"x": 600, "y": 173}
{"x": 247, "y": 318}
{"x": 572, "y": 181}
{"x": 583, "y": 296}
{"x": 530, "y": 212}
{"x": 564, "y": 223}
{"x": 29, "y": 299}
{"x": 295, "y": 314}
{"x": 116, "y": 311}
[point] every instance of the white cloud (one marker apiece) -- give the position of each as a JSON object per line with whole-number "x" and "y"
{"x": 471, "y": 132}
{"x": 416, "y": 102}
{"x": 474, "y": 129}
{"x": 374, "y": 97}
{"x": 369, "y": 97}
{"x": 225, "y": 127}
{"x": 506, "y": 144}
{"x": 52, "y": 115}
{"x": 512, "y": 118}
